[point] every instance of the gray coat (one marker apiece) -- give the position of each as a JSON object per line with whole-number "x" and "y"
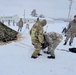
{"x": 52, "y": 40}
{"x": 71, "y": 31}
{"x": 72, "y": 27}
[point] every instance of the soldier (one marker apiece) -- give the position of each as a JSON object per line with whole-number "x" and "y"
{"x": 71, "y": 31}
{"x": 27, "y": 26}
{"x": 13, "y": 22}
{"x": 20, "y": 25}
{"x": 52, "y": 40}
{"x": 8, "y": 22}
{"x": 37, "y": 38}
{"x": 3, "y": 21}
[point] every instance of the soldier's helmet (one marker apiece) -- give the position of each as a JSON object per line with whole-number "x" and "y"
{"x": 43, "y": 22}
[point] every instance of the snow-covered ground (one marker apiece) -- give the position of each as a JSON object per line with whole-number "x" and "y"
{"x": 15, "y": 57}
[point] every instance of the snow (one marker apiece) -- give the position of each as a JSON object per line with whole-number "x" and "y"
{"x": 15, "y": 57}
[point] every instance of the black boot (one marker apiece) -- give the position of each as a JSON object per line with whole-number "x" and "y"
{"x": 51, "y": 57}
{"x": 39, "y": 54}
{"x": 70, "y": 43}
{"x": 46, "y": 52}
{"x": 65, "y": 43}
{"x": 34, "y": 57}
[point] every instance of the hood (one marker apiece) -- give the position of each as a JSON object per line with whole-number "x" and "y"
{"x": 43, "y": 22}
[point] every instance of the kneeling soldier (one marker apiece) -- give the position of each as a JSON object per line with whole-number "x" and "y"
{"x": 52, "y": 40}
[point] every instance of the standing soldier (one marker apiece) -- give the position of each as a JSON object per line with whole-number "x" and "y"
{"x": 27, "y": 26}
{"x": 37, "y": 38}
{"x": 13, "y": 22}
{"x": 20, "y": 25}
{"x": 52, "y": 40}
{"x": 3, "y": 21}
{"x": 71, "y": 31}
{"x": 8, "y": 22}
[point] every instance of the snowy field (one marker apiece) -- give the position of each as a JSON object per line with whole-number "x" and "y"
{"x": 15, "y": 57}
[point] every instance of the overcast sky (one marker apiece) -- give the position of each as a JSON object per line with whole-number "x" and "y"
{"x": 50, "y": 8}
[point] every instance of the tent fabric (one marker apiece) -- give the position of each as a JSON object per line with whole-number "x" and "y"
{"x": 7, "y": 34}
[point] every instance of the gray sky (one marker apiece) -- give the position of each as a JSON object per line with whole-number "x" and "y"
{"x": 50, "y": 8}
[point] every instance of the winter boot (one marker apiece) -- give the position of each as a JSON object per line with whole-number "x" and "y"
{"x": 65, "y": 43}
{"x": 70, "y": 43}
{"x": 39, "y": 54}
{"x": 34, "y": 57}
{"x": 51, "y": 57}
{"x": 46, "y": 52}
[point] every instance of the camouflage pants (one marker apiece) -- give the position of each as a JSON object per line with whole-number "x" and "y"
{"x": 70, "y": 36}
{"x": 52, "y": 47}
{"x": 37, "y": 46}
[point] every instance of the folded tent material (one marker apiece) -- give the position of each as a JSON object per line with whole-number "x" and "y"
{"x": 7, "y": 34}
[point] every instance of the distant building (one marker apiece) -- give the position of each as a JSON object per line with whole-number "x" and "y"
{"x": 33, "y": 19}
{"x": 11, "y": 18}
{"x": 30, "y": 19}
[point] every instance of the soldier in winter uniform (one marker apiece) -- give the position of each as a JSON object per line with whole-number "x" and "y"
{"x": 3, "y": 21}
{"x": 13, "y": 22}
{"x": 37, "y": 38}
{"x": 52, "y": 40}
{"x": 8, "y": 22}
{"x": 71, "y": 31}
{"x": 20, "y": 25}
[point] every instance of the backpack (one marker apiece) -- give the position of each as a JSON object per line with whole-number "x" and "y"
{"x": 72, "y": 50}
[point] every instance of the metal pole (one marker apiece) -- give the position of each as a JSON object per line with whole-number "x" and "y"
{"x": 70, "y": 9}
{"x": 24, "y": 15}
{"x": 70, "y": 5}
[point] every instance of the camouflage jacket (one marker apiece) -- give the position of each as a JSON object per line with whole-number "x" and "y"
{"x": 36, "y": 32}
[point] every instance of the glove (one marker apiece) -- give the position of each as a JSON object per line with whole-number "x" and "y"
{"x": 32, "y": 44}
{"x": 44, "y": 45}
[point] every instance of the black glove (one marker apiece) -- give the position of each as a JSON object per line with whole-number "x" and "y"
{"x": 44, "y": 45}
{"x": 32, "y": 44}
